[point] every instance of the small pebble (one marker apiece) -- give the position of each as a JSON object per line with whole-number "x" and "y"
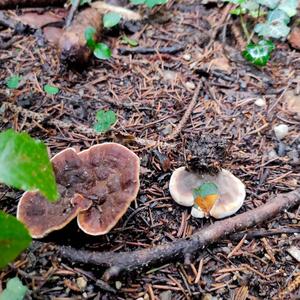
{"x": 81, "y": 283}
{"x": 190, "y": 85}
{"x": 281, "y": 131}
{"x": 272, "y": 155}
{"x": 187, "y": 57}
{"x": 118, "y": 285}
{"x": 166, "y": 295}
{"x": 260, "y": 102}
{"x": 294, "y": 252}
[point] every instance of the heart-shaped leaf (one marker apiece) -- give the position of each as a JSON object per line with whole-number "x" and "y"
{"x": 289, "y": 7}
{"x": 274, "y": 30}
{"x": 279, "y": 16}
{"x": 50, "y": 89}
{"x": 128, "y": 41}
{"x": 259, "y": 54}
{"x": 111, "y": 19}
{"x": 105, "y": 119}
{"x": 102, "y": 51}
{"x": 13, "y": 82}
{"x": 14, "y": 238}
{"x": 25, "y": 164}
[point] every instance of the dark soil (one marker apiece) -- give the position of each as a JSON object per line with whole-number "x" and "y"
{"x": 150, "y": 93}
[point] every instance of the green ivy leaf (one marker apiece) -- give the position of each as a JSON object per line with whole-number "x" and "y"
{"x": 279, "y": 16}
{"x": 259, "y": 54}
{"x": 268, "y": 3}
{"x": 13, "y": 81}
{"x": 89, "y": 35}
{"x": 105, "y": 119}
{"x": 274, "y": 29}
{"x": 25, "y": 164}
{"x": 50, "y": 89}
{"x": 289, "y": 7}
{"x": 14, "y": 238}
{"x": 102, "y": 51}
{"x": 126, "y": 40}
{"x": 111, "y": 19}
{"x": 152, "y": 3}
{"x": 137, "y": 2}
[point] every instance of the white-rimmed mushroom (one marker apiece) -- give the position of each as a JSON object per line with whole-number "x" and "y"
{"x": 231, "y": 191}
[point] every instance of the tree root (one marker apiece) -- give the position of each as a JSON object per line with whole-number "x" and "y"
{"x": 128, "y": 261}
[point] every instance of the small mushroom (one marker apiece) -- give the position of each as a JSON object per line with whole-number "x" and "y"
{"x": 225, "y": 197}
{"x": 96, "y": 185}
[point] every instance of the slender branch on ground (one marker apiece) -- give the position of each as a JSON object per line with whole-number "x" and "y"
{"x": 73, "y": 9}
{"x": 182, "y": 248}
{"x": 186, "y": 115}
{"x": 245, "y": 29}
{"x": 141, "y": 50}
{"x": 259, "y": 233}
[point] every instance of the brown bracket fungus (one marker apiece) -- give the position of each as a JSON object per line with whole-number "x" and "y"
{"x": 231, "y": 192}
{"x": 96, "y": 185}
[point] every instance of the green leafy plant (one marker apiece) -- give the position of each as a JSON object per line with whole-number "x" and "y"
{"x": 259, "y": 54}
{"x": 275, "y": 25}
{"x": 149, "y": 3}
{"x": 25, "y": 164}
{"x": 13, "y": 81}
{"x": 127, "y": 41}
{"x": 14, "y": 290}
{"x": 50, "y": 89}
{"x": 111, "y": 19}
{"x": 105, "y": 119}
{"x": 100, "y": 50}
{"x": 14, "y": 238}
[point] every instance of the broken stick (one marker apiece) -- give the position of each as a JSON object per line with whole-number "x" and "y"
{"x": 128, "y": 261}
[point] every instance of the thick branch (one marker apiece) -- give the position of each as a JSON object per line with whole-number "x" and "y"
{"x": 117, "y": 262}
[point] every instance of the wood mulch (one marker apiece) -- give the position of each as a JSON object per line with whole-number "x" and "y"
{"x": 150, "y": 94}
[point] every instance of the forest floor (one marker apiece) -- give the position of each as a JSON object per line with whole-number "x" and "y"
{"x": 150, "y": 93}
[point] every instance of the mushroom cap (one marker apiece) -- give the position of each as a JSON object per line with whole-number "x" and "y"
{"x": 117, "y": 185}
{"x": 231, "y": 189}
{"x": 41, "y": 216}
{"x": 102, "y": 181}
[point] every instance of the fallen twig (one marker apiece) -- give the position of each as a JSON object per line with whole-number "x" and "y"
{"x": 127, "y": 261}
{"x": 73, "y": 9}
{"x": 263, "y": 233}
{"x": 186, "y": 114}
{"x": 142, "y": 50}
